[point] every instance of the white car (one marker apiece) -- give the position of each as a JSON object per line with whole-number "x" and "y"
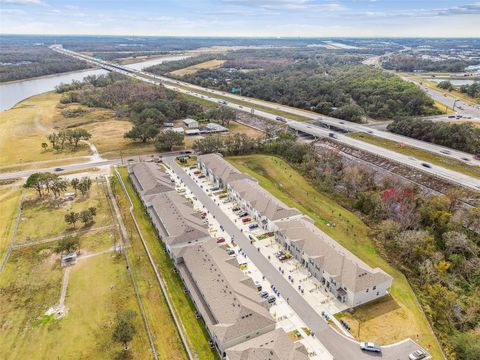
{"x": 370, "y": 346}
{"x": 418, "y": 355}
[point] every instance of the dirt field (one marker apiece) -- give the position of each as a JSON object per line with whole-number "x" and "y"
{"x": 211, "y": 64}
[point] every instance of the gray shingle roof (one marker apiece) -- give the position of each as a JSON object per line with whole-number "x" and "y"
{"x": 222, "y": 168}
{"x": 232, "y": 307}
{"x": 176, "y": 219}
{"x": 274, "y": 345}
{"x": 151, "y": 178}
{"x": 344, "y": 267}
{"x": 260, "y": 199}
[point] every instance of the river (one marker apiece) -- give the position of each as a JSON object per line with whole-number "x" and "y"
{"x": 14, "y": 92}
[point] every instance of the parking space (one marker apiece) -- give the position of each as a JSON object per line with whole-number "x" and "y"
{"x": 280, "y": 310}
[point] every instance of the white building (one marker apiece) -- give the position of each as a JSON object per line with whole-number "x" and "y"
{"x": 190, "y": 123}
{"x": 340, "y": 272}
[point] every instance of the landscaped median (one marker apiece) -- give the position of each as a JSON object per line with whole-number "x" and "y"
{"x": 194, "y": 329}
{"x": 440, "y": 160}
{"x": 387, "y": 320}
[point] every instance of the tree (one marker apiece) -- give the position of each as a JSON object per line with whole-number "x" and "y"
{"x": 467, "y": 346}
{"x": 67, "y": 245}
{"x": 34, "y": 181}
{"x": 166, "y": 140}
{"x": 44, "y": 146}
{"x": 75, "y": 182}
{"x": 142, "y": 132}
{"x": 84, "y": 185}
{"x": 58, "y": 185}
{"x": 71, "y": 218}
{"x": 78, "y": 134}
{"x": 86, "y": 217}
{"x": 124, "y": 329}
{"x": 445, "y": 85}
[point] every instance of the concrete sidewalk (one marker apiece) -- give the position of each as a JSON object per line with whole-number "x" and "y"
{"x": 341, "y": 347}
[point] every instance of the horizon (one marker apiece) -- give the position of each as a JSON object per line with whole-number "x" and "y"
{"x": 244, "y": 18}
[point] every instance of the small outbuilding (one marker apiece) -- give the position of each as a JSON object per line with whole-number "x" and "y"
{"x": 190, "y": 123}
{"x": 177, "y": 130}
{"x": 192, "y": 132}
{"x": 69, "y": 259}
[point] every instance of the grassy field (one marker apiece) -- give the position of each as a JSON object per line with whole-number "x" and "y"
{"x": 443, "y": 108}
{"x": 428, "y": 156}
{"x": 42, "y": 218}
{"x": 23, "y": 129}
{"x": 194, "y": 328}
{"x": 395, "y": 317}
{"x": 9, "y": 198}
{"x": 31, "y": 283}
{"x": 237, "y": 128}
{"x": 211, "y": 64}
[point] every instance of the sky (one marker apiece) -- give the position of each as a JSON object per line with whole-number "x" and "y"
{"x": 250, "y": 18}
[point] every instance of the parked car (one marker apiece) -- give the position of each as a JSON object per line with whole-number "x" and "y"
{"x": 426, "y": 165}
{"x": 220, "y": 240}
{"x": 258, "y": 286}
{"x": 246, "y": 219}
{"x": 370, "y": 346}
{"x": 242, "y": 214}
{"x": 236, "y": 208}
{"x": 253, "y": 226}
{"x": 231, "y": 252}
{"x": 202, "y": 176}
{"x": 59, "y": 169}
{"x": 263, "y": 294}
{"x": 272, "y": 299}
{"x": 418, "y": 355}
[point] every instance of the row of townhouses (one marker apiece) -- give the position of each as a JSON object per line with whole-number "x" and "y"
{"x": 236, "y": 318}
{"x": 344, "y": 275}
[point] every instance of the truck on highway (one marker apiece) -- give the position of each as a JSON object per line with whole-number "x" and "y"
{"x": 332, "y": 135}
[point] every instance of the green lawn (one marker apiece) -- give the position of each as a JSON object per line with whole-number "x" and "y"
{"x": 42, "y": 218}
{"x": 194, "y": 329}
{"x": 98, "y": 288}
{"x": 402, "y": 316}
{"x": 424, "y": 155}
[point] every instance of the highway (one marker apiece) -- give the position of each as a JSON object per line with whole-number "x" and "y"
{"x": 341, "y": 347}
{"x": 213, "y": 95}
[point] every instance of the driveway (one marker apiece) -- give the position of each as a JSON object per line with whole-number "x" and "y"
{"x": 341, "y": 347}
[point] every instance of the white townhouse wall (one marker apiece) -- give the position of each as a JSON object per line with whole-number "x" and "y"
{"x": 259, "y": 203}
{"x": 225, "y": 297}
{"x": 218, "y": 170}
{"x": 340, "y": 272}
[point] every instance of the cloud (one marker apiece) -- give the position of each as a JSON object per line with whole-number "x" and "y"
{"x": 22, "y": 2}
{"x": 466, "y": 9}
{"x": 298, "y": 5}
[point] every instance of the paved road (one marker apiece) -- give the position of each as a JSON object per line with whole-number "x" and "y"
{"x": 449, "y": 175}
{"x": 342, "y": 348}
{"x": 438, "y": 171}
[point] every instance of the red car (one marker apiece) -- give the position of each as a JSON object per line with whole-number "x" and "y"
{"x": 220, "y": 240}
{"x": 246, "y": 219}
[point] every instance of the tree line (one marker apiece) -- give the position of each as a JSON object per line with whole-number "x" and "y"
{"x": 46, "y": 183}
{"x": 347, "y": 91}
{"x": 433, "y": 240}
{"x": 23, "y": 62}
{"x": 411, "y": 63}
{"x": 70, "y": 137}
{"x": 464, "y": 136}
